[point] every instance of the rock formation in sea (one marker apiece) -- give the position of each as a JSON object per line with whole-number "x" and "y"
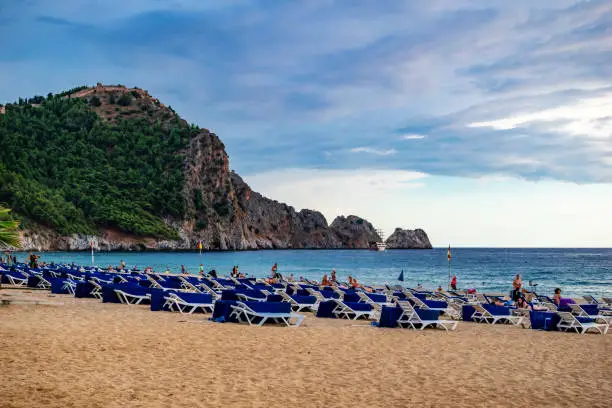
{"x": 408, "y": 239}
{"x": 215, "y": 205}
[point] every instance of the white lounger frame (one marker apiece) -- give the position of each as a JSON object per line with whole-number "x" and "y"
{"x": 244, "y": 313}
{"x": 175, "y": 302}
{"x": 411, "y": 318}
{"x": 449, "y": 310}
{"x": 298, "y": 307}
{"x": 17, "y": 281}
{"x": 130, "y": 299}
{"x": 483, "y": 315}
{"x": 342, "y": 310}
{"x": 569, "y": 321}
{"x": 579, "y": 311}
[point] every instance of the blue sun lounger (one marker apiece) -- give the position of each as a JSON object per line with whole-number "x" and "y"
{"x": 353, "y": 310}
{"x": 15, "y": 278}
{"x": 185, "y": 302}
{"x": 422, "y": 318}
{"x": 133, "y": 295}
{"x": 251, "y": 295}
{"x": 492, "y": 314}
{"x": 299, "y": 303}
{"x": 257, "y": 313}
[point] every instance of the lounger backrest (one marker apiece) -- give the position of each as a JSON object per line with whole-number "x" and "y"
{"x": 549, "y": 306}
{"x": 577, "y": 310}
{"x": 194, "y": 297}
{"x": 568, "y": 318}
{"x": 425, "y": 314}
{"x": 498, "y": 310}
{"x": 304, "y": 300}
{"x": 350, "y": 297}
{"x": 436, "y": 304}
{"x": 359, "y": 307}
{"x": 265, "y": 307}
{"x": 252, "y": 293}
{"x": 377, "y": 298}
{"x": 406, "y": 306}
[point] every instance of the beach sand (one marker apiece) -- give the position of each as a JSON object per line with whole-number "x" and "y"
{"x": 82, "y": 353}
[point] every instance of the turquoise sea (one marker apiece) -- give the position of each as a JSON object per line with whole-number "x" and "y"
{"x": 575, "y": 271}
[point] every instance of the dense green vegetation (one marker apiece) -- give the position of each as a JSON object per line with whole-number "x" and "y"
{"x": 9, "y": 237}
{"x": 64, "y": 167}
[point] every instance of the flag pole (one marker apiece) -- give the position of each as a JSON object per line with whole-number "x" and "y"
{"x": 200, "y": 248}
{"x": 449, "y": 267}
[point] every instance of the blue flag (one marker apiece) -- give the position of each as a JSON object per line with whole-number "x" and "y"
{"x": 401, "y": 276}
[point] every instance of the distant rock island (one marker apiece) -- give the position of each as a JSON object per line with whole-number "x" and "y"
{"x": 114, "y": 166}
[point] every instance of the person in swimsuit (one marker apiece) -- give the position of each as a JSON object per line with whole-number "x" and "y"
{"x": 516, "y": 287}
{"x": 557, "y": 296}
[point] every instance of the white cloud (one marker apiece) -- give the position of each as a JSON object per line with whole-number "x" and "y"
{"x": 413, "y": 136}
{"x": 371, "y": 150}
{"x": 589, "y": 118}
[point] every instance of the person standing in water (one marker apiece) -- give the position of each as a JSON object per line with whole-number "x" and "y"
{"x": 183, "y": 270}
{"x": 201, "y": 270}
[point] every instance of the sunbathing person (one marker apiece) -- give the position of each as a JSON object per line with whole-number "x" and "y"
{"x": 522, "y": 304}
{"x": 557, "y": 296}
{"x": 325, "y": 281}
{"x": 498, "y": 302}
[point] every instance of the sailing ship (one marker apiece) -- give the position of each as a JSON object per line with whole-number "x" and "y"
{"x": 380, "y": 245}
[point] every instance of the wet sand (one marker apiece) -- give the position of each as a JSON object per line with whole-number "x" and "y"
{"x": 82, "y": 353}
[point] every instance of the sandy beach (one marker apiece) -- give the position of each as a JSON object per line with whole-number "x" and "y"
{"x": 82, "y": 353}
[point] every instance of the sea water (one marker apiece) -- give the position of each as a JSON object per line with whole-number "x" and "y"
{"x": 575, "y": 271}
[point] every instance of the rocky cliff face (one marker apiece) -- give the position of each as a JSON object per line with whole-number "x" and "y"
{"x": 220, "y": 208}
{"x": 408, "y": 239}
{"x": 354, "y": 232}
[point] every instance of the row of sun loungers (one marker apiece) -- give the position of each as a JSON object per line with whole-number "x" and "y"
{"x": 256, "y": 302}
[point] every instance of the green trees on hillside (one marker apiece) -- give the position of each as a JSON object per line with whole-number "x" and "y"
{"x": 9, "y": 237}
{"x": 62, "y": 166}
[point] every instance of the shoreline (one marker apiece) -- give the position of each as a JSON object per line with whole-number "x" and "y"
{"x": 156, "y": 250}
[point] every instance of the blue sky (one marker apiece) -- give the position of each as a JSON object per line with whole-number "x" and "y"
{"x": 431, "y": 96}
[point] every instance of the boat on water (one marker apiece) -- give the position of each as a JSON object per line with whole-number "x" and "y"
{"x": 380, "y": 245}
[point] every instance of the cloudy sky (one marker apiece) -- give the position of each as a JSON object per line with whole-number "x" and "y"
{"x": 487, "y": 123}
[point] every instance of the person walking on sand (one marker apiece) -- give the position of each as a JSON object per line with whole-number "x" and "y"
{"x": 122, "y": 264}
{"x": 516, "y": 287}
{"x": 333, "y": 276}
{"x": 183, "y": 270}
{"x": 454, "y": 282}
